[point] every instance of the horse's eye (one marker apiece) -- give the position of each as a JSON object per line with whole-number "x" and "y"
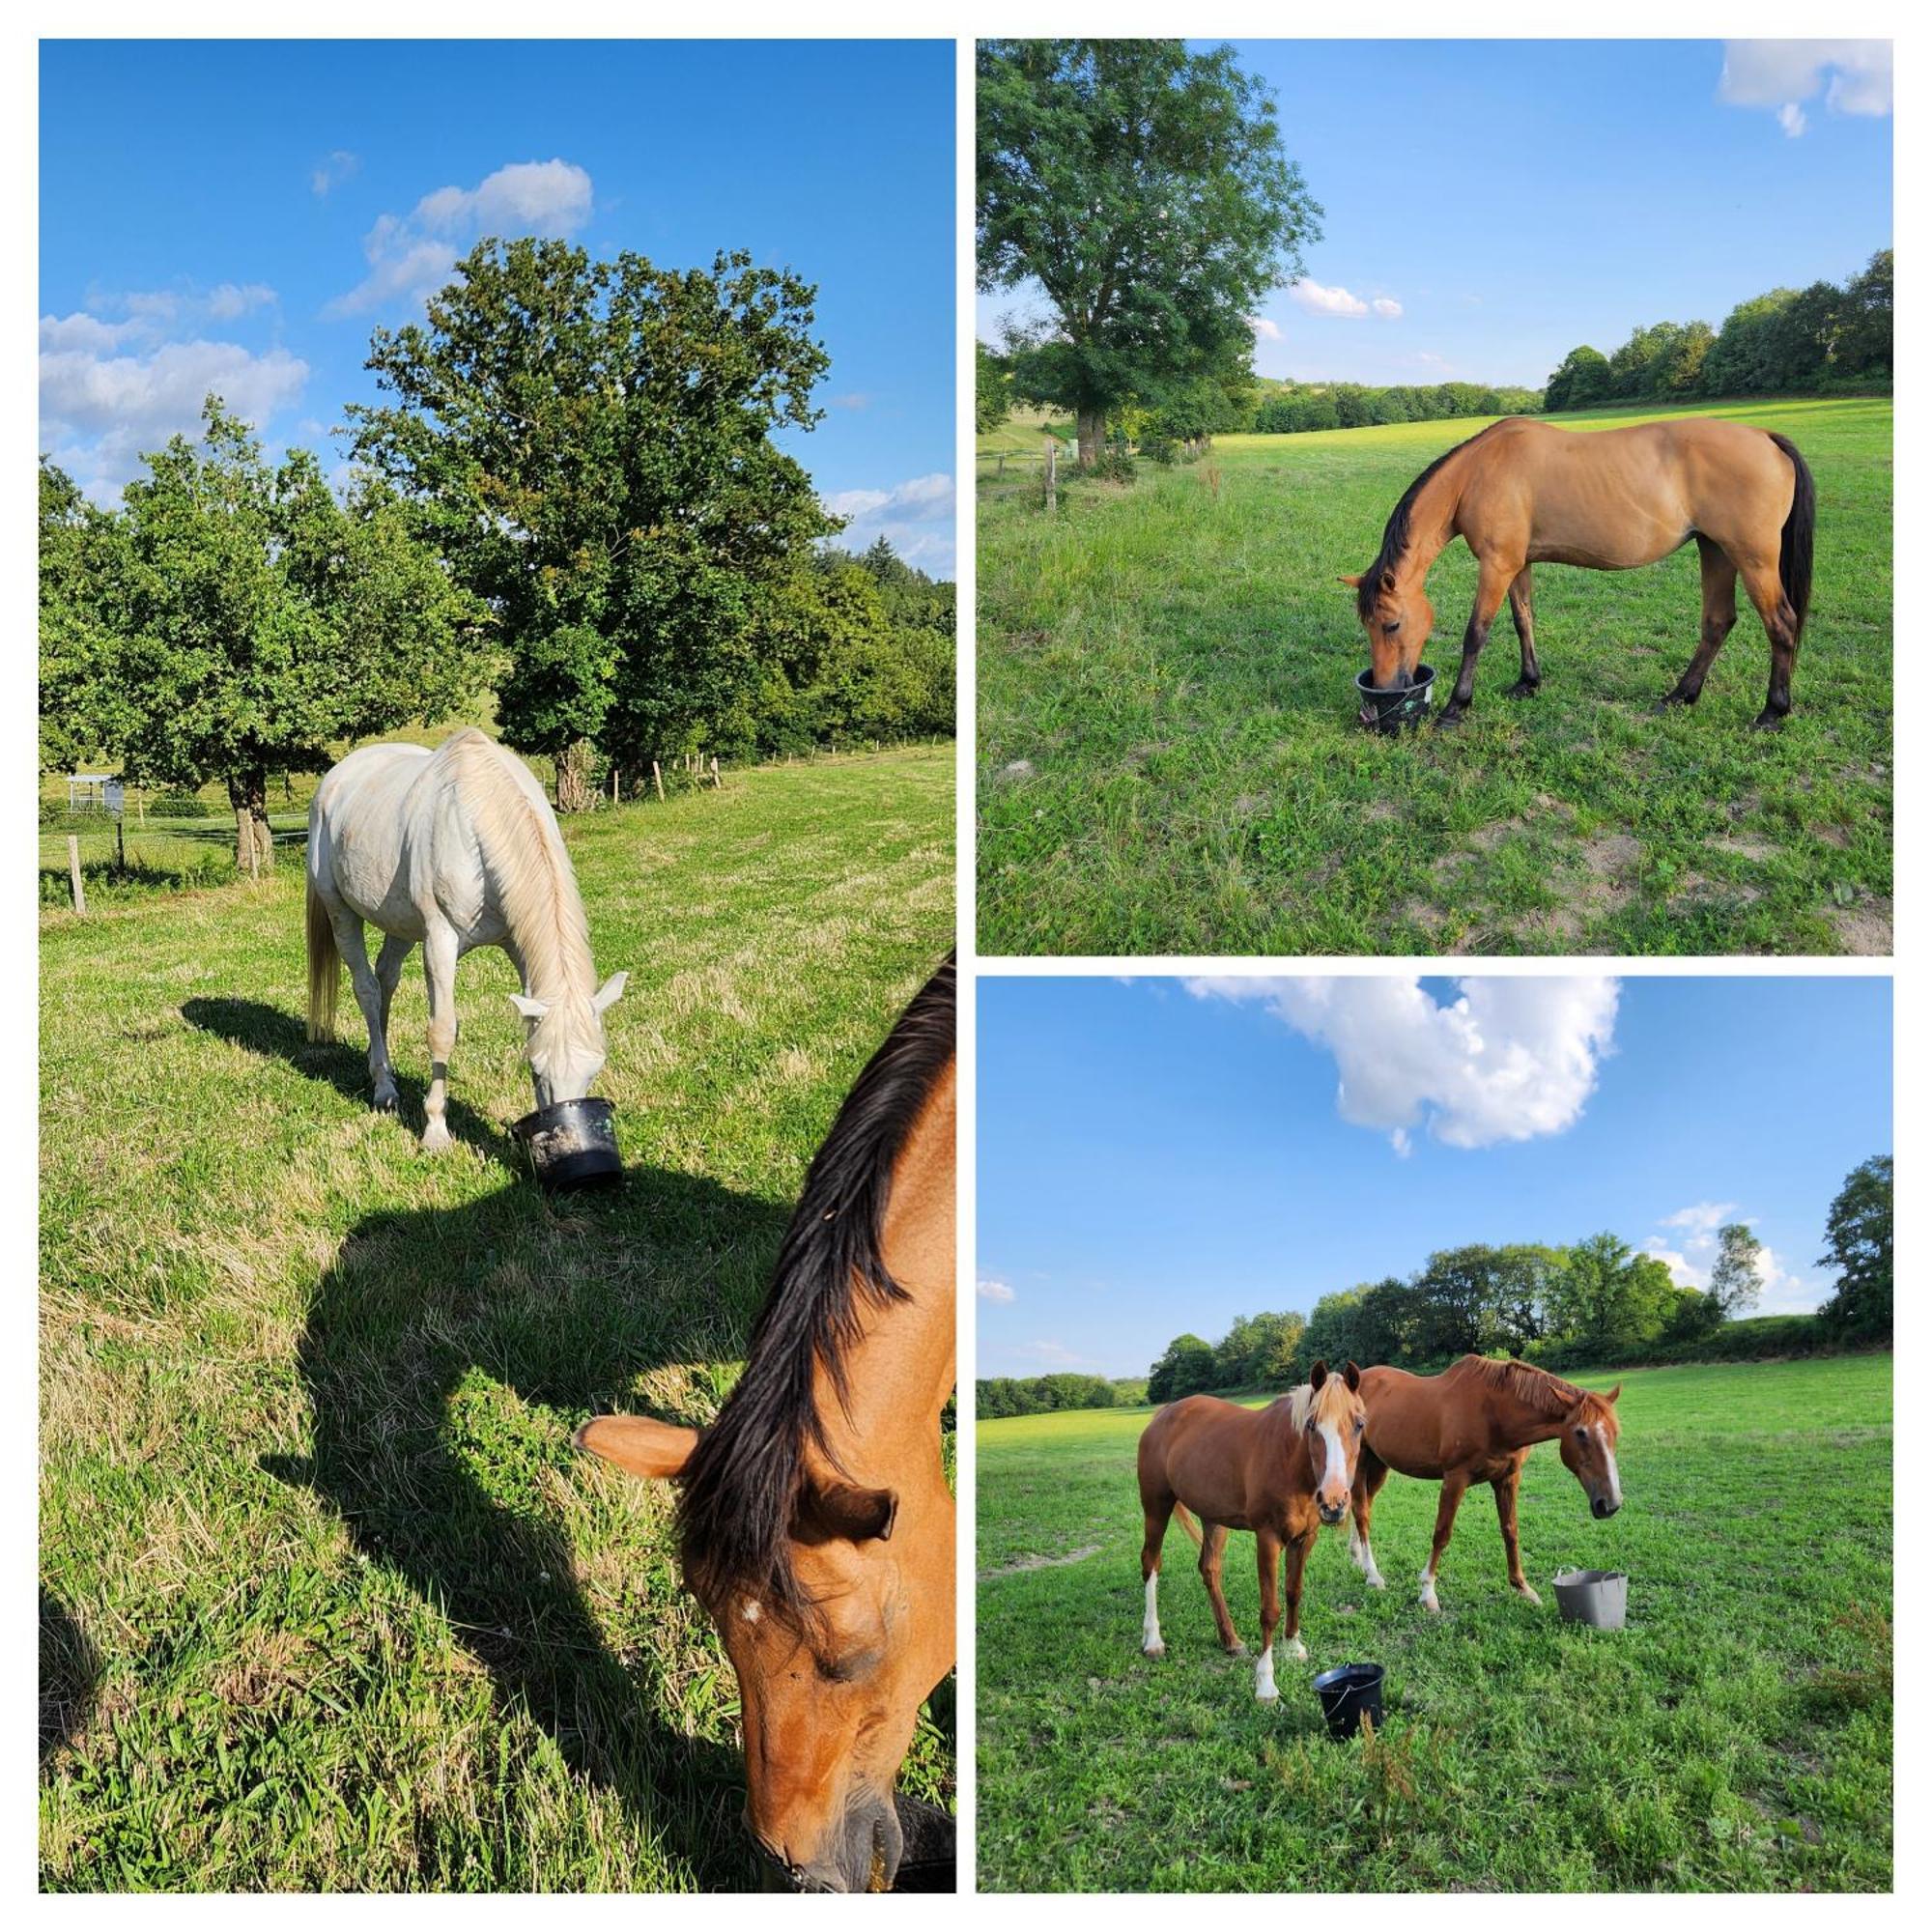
{"x": 1582, "y": 1435}
{"x": 1396, "y": 626}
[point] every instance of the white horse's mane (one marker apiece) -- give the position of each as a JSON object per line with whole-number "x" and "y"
{"x": 523, "y": 852}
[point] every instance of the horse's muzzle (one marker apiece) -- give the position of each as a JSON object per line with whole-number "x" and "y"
{"x": 1603, "y": 1509}
{"x": 862, "y": 1855}
{"x": 1332, "y": 1513}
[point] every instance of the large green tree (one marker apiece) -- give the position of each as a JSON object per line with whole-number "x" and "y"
{"x": 85, "y": 704}
{"x": 1857, "y": 1245}
{"x": 592, "y": 444}
{"x": 1143, "y": 188}
{"x": 1607, "y": 1296}
{"x": 1186, "y": 1367}
{"x": 253, "y": 620}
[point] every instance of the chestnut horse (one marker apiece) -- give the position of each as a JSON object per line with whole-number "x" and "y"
{"x": 815, "y": 1522}
{"x": 1477, "y": 1421}
{"x": 1523, "y": 493}
{"x": 1280, "y": 1471}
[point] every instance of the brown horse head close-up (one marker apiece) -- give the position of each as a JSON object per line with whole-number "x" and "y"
{"x": 1333, "y": 1422}
{"x": 816, "y": 1522}
{"x": 1397, "y": 617}
{"x": 1588, "y": 1446}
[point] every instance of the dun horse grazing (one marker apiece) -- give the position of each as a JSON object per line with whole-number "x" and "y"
{"x": 1280, "y": 1471}
{"x": 455, "y": 849}
{"x": 1477, "y": 1421}
{"x": 817, "y": 1525}
{"x": 1523, "y": 493}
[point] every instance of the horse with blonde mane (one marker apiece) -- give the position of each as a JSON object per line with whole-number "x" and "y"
{"x": 451, "y": 849}
{"x": 1523, "y": 493}
{"x": 1281, "y": 1471}
{"x": 1477, "y": 1421}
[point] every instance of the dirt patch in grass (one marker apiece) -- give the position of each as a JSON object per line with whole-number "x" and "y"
{"x": 1020, "y": 1565}
{"x": 1864, "y": 929}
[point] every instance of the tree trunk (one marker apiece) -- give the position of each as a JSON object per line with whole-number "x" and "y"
{"x": 254, "y": 847}
{"x": 1093, "y": 431}
{"x": 573, "y": 777}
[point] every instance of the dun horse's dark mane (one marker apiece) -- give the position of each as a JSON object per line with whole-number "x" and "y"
{"x": 1546, "y": 1394}
{"x": 742, "y": 1484}
{"x": 1395, "y": 533}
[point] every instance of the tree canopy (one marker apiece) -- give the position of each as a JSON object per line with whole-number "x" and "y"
{"x": 1858, "y": 1247}
{"x": 1143, "y": 188}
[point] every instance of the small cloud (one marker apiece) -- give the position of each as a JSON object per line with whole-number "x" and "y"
{"x": 915, "y": 516}
{"x": 1320, "y": 300}
{"x": 333, "y": 171}
{"x": 995, "y": 1290}
{"x": 1704, "y": 1219}
{"x": 228, "y": 301}
{"x": 1057, "y": 1354}
{"x": 856, "y": 400}
{"x": 1385, "y": 308}
{"x": 1264, "y": 330}
{"x": 1854, "y": 77}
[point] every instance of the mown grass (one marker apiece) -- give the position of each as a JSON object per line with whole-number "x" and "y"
{"x": 327, "y": 1599}
{"x": 1736, "y": 1735}
{"x": 1169, "y": 760}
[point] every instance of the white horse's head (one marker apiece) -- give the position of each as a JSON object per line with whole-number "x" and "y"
{"x": 565, "y": 1043}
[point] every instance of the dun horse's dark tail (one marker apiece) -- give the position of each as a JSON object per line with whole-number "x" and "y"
{"x": 1794, "y": 550}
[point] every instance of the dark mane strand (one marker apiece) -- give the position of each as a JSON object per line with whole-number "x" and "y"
{"x": 742, "y": 1483}
{"x": 1395, "y": 533}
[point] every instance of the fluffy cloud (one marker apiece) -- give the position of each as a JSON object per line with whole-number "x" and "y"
{"x": 1855, "y": 77}
{"x": 410, "y": 256}
{"x": 1507, "y": 1060}
{"x": 995, "y": 1290}
{"x": 1690, "y": 1252}
{"x": 338, "y": 167}
{"x": 1320, "y": 300}
{"x": 915, "y": 516}
{"x": 1264, "y": 330}
{"x": 230, "y": 299}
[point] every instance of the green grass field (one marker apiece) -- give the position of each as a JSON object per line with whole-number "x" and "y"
{"x": 1736, "y": 1735}
{"x": 1169, "y": 760}
{"x": 327, "y": 1599}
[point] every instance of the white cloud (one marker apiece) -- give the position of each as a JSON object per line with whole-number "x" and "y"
{"x": 1057, "y": 1354}
{"x": 915, "y": 516}
{"x": 1781, "y": 1290}
{"x": 102, "y": 411}
{"x": 1264, "y": 330}
{"x": 995, "y": 1290}
{"x": 1855, "y": 77}
{"x": 1320, "y": 300}
{"x": 229, "y": 299}
{"x": 1507, "y": 1060}
{"x": 338, "y": 167}
{"x": 856, "y": 399}
{"x": 410, "y": 256}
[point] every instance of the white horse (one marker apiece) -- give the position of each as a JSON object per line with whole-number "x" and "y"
{"x": 455, "y": 849}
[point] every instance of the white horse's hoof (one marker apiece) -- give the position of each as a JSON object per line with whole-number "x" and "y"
{"x": 436, "y": 1138}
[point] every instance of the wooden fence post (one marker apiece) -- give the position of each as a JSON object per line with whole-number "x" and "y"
{"x": 658, "y": 779}
{"x": 1052, "y": 473}
{"x": 715, "y": 779}
{"x": 119, "y": 844}
{"x": 73, "y": 874}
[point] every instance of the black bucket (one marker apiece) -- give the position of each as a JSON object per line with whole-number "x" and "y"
{"x": 1392, "y": 710}
{"x": 1349, "y": 1694}
{"x": 572, "y": 1143}
{"x": 927, "y": 1861}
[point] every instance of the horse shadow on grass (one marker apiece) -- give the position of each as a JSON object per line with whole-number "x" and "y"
{"x": 70, "y": 1675}
{"x": 421, "y": 1322}
{"x": 275, "y": 1033}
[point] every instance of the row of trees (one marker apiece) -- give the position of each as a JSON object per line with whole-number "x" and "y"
{"x": 1287, "y": 407}
{"x": 570, "y": 492}
{"x": 1596, "y": 1300}
{"x": 1040, "y": 1395}
{"x": 1822, "y": 337}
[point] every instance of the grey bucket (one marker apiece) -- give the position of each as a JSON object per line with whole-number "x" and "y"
{"x": 1592, "y": 1597}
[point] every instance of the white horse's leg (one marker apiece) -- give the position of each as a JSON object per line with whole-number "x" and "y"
{"x": 349, "y": 941}
{"x": 389, "y": 970}
{"x": 440, "y": 954}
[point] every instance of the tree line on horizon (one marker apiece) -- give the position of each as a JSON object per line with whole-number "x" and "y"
{"x": 1595, "y": 1303}
{"x": 570, "y": 495}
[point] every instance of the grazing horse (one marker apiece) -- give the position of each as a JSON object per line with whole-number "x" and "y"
{"x": 455, "y": 849}
{"x": 1477, "y": 1421}
{"x": 1523, "y": 493}
{"x": 1280, "y": 1471}
{"x": 816, "y": 1521}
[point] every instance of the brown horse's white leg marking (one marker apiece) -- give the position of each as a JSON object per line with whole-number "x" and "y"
{"x": 1151, "y": 1642}
{"x": 1364, "y": 1560}
{"x": 1453, "y": 1486}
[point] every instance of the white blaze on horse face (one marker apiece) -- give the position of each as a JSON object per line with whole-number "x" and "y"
{"x": 1151, "y": 1641}
{"x": 1616, "y": 1494}
{"x": 1264, "y": 1688}
{"x": 1335, "y": 1468}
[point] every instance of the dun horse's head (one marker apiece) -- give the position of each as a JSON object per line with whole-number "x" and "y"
{"x": 1398, "y": 620}
{"x": 1333, "y": 1422}
{"x": 833, "y": 1664}
{"x": 565, "y": 1044}
{"x": 1588, "y": 1446}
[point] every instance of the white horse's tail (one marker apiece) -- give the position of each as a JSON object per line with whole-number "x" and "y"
{"x": 325, "y": 968}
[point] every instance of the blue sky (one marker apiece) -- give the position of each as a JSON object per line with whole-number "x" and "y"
{"x": 242, "y": 215}
{"x": 1157, "y": 1156}
{"x": 1489, "y": 205}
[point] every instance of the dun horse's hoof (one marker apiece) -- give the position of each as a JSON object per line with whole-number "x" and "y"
{"x": 1523, "y": 688}
{"x": 1453, "y": 715}
{"x": 1769, "y": 720}
{"x": 384, "y": 1100}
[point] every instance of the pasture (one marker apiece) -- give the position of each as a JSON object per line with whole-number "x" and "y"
{"x": 1735, "y": 1736}
{"x": 327, "y": 1599}
{"x": 1169, "y": 760}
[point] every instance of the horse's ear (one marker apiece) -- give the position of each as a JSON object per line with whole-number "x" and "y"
{"x": 1353, "y": 582}
{"x": 1318, "y": 1375}
{"x": 531, "y": 1009}
{"x": 607, "y": 994}
{"x": 640, "y": 1443}
{"x": 1352, "y": 1375}
{"x": 1614, "y": 1393}
{"x": 846, "y": 1510}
